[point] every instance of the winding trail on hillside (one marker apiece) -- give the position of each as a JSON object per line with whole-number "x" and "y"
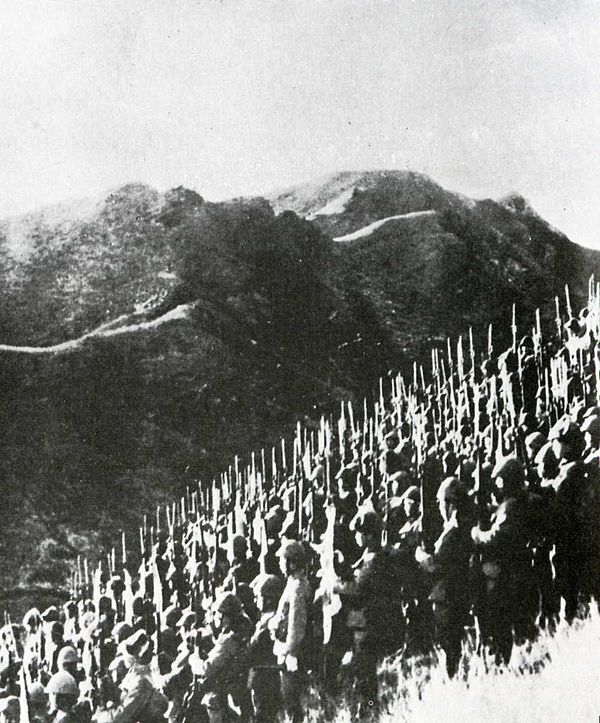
{"x": 368, "y": 230}
{"x": 108, "y": 329}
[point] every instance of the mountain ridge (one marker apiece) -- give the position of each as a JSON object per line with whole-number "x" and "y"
{"x": 281, "y": 322}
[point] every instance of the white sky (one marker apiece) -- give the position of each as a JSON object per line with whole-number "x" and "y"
{"x": 242, "y": 96}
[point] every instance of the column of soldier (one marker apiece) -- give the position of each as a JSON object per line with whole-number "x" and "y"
{"x": 469, "y": 501}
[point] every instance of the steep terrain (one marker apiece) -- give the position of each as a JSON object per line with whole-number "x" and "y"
{"x": 147, "y": 338}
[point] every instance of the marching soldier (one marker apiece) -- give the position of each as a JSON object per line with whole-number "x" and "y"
{"x": 448, "y": 565}
{"x": 290, "y": 626}
{"x": 506, "y": 563}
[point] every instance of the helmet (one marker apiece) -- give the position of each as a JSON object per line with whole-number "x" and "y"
{"x": 270, "y": 586}
{"x": 292, "y": 550}
{"x": 62, "y": 683}
{"x": 228, "y": 604}
{"x": 67, "y": 655}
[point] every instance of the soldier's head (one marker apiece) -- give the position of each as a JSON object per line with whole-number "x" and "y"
{"x": 240, "y": 547}
{"x": 534, "y": 442}
{"x": 118, "y": 669}
{"x": 591, "y": 430}
{"x": 292, "y": 557}
{"x": 57, "y": 632}
{"x": 546, "y": 462}
{"x": 38, "y": 700}
{"x": 227, "y": 610}
{"x": 68, "y": 660}
{"x": 451, "y": 497}
{"x": 410, "y": 502}
{"x": 10, "y": 710}
{"x": 121, "y": 632}
{"x": 62, "y": 691}
{"x": 367, "y": 527}
{"x": 172, "y": 615}
{"x": 509, "y": 478}
{"x": 268, "y": 590}
{"x": 567, "y": 440}
{"x": 140, "y": 648}
{"x": 392, "y": 440}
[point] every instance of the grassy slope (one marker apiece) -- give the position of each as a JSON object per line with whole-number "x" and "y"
{"x": 552, "y": 680}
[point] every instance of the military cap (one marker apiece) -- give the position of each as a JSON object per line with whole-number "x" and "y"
{"x": 228, "y": 604}
{"x": 62, "y": 683}
{"x": 67, "y": 655}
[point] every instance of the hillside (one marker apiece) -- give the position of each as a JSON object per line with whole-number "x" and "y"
{"x": 151, "y": 336}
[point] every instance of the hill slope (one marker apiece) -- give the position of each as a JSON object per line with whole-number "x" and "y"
{"x": 150, "y": 337}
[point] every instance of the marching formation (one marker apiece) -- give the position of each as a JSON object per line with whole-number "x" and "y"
{"x": 467, "y": 500}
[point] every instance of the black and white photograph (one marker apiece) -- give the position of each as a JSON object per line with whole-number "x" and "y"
{"x": 299, "y": 361}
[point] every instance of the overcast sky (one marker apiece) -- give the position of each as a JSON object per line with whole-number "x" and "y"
{"x": 241, "y": 97}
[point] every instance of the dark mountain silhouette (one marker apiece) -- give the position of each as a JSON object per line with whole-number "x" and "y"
{"x": 147, "y": 338}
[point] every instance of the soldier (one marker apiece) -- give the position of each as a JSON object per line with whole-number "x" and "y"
{"x": 290, "y": 626}
{"x": 264, "y": 678}
{"x": 506, "y": 563}
{"x": 219, "y": 676}
{"x": 369, "y": 616}
{"x": 449, "y": 566}
{"x": 38, "y": 704}
{"x": 141, "y": 701}
{"x": 10, "y": 710}
{"x": 63, "y": 692}
{"x": 243, "y": 568}
{"x": 576, "y": 514}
